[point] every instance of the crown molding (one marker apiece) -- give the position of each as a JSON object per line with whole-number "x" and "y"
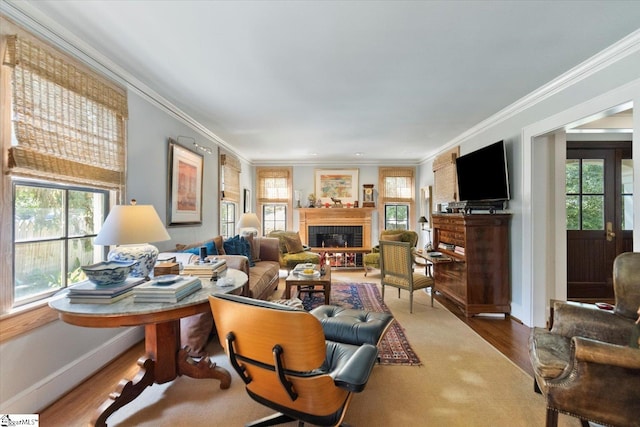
{"x": 32, "y": 19}
{"x": 610, "y": 55}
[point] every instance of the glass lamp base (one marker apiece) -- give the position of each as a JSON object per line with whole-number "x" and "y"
{"x": 145, "y": 254}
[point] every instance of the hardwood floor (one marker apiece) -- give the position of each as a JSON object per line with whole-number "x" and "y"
{"x": 507, "y": 335}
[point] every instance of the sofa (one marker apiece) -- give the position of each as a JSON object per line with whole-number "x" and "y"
{"x": 195, "y": 331}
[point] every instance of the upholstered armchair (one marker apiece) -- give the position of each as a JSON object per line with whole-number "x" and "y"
{"x": 396, "y": 270}
{"x": 286, "y": 363}
{"x": 372, "y": 259}
{"x": 588, "y": 365}
{"x": 292, "y": 250}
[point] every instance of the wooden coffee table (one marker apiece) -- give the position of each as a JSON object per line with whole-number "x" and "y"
{"x": 309, "y": 285}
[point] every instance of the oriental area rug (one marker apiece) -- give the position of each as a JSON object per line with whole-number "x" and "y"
{"x": 394, "y": 349}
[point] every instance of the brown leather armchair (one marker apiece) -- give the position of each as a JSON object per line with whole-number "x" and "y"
{"x": 585, "y": 365}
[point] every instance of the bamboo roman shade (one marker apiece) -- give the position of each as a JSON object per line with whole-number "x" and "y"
{"x": 230, "y": 177}
{"x": 445, "y": 183}
{"x": 396, "y": 185}
{"x": 274, "y": 185}
{"x": 68, "y": 121}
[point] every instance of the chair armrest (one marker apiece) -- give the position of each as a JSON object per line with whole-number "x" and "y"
{"x": 375, "y": 249}
{"x": 592, "y": 351}
{"x": 237, "y": 262}
{"x": 570, "y": 320}
{"x": 354, "y": 374}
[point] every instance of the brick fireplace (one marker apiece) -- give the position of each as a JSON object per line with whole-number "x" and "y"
{"x": 335, "y": 226}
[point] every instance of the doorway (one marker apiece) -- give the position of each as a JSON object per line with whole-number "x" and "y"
{"x": 599, "y": 215}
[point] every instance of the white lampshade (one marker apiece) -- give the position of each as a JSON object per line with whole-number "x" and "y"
{"x": 133, "y": 226}
{"x": 249, "y": 220}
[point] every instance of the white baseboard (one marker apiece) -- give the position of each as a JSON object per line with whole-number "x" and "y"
{"x": 53, "y": 387}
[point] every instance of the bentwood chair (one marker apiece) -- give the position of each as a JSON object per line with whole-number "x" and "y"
{"x": 396, "y": 269}
{"x": 285, "y": 362}
{"x": 588, "y": 364}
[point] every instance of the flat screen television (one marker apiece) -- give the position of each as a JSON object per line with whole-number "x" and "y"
{"x": 482, "y": 174}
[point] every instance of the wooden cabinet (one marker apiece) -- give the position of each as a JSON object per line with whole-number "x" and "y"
{"x": 474, "y": 269}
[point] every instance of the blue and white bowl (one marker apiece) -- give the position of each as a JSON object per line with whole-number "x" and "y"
{"x": 108, "y": 272}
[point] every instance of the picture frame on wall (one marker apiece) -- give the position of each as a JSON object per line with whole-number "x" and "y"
{"x": 185, "y": 175}
{"x": 247, "y": 200}
{"x": 339, "y": 184}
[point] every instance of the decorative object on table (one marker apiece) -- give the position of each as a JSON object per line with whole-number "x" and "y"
{"x": 248, "y": 224}
{"x": 337, "y": 203}
{"x": 185, "y": 186}
{"x": 132, "y": 227}
{"x": 428, "y": 247}
{"x": 337, "y": 183}
{"x": 367, "y": 196}
{"x": 87, "y": 292}
{"x": 107, "y": 273}
{"x": 162, "y": 291}
{"x": 296, "y": 196}
{"x": 165, "y": 268}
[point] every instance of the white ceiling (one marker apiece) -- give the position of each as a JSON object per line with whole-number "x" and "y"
{"x": 309, "y": 81}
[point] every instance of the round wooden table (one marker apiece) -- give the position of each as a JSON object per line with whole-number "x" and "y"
{"x": 164, "y": 359}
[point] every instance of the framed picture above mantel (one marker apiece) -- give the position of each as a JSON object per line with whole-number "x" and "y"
{"x": 333, "y": 185}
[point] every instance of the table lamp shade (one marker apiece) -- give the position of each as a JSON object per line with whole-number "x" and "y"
{"x": 249, "y": 220}
{"x": 133, "y": 226}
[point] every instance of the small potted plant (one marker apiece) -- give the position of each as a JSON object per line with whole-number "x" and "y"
{"x": 311, "y": 198}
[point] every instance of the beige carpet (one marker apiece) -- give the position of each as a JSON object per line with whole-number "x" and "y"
{"x": 463, "y": 381}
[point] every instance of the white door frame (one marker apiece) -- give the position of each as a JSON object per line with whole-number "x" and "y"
{"x": 543, "y": 223}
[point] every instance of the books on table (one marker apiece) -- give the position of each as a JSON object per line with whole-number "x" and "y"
{"x": 166, "y": 291}
{"x": 87, "y": 292}
{"x": 205, "y": 270}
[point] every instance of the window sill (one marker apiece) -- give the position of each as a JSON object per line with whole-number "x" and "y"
{"x": 23, "y": 320}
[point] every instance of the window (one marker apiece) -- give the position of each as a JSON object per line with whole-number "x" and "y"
{"x": 227, "y": 219}
{"x": 397, "y": 195}
{"x": 230, "y": 169}
{"x": 274, "y": 217}
{"x": 274, "y": 198}
{"x": 65, "y": 162}
{"x": 54, "y": 227}
{"x": 396, "y": 217}
{"x": 585, "y": 194}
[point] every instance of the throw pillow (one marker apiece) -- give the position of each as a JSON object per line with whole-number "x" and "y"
{"x": 254, "y": 242}
{"x": 294, "y": 244}
{"x": 219, "y": 245}
{"x": 237, "y": 245}
{"x": 391, "y": 237}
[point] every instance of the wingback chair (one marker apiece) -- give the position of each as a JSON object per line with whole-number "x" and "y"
{"x": 292, "y": 250}
{"x": 372, "y": 259}
{"x": 396, "y": 270}
{"x": 285, "y": 362}
{"x": 587, "y": 365}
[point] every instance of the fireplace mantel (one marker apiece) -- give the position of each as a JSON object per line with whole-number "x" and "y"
{"x": 336, "y": 216}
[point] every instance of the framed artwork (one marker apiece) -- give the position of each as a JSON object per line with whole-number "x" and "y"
{"x": 185, "y": 186}
{"x": 339, "y": 184}
{"x": 247, "y": 201}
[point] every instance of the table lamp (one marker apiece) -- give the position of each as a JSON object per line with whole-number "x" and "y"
{"x": 248, "y": 224}
{"x": 132, "y": 227}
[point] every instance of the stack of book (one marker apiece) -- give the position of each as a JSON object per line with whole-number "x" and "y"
{"x": 446, "y": 246}
{"x": 89, "y": 293}
{"x": 459, "y": 250}
{"x": 206, "y": 270}
{"x": 155, "y": 291}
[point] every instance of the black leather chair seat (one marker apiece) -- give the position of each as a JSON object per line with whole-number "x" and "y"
{"x": 352, "y": 326}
